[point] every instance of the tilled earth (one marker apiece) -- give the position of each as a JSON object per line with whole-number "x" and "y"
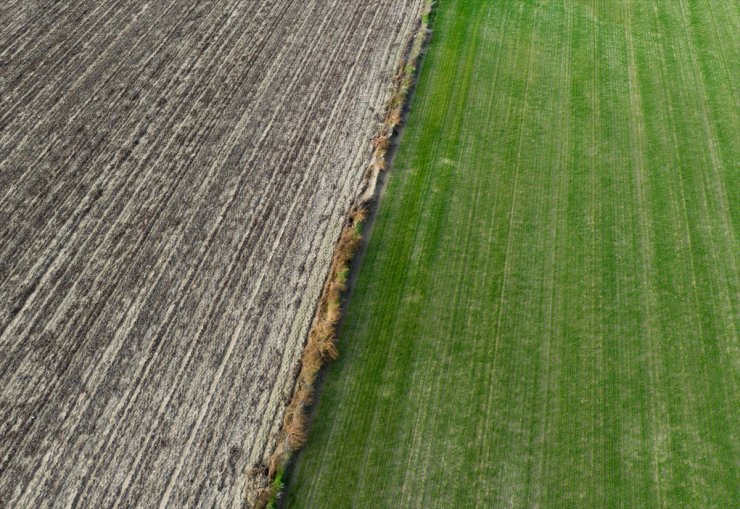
{"x": 173, "y": 177}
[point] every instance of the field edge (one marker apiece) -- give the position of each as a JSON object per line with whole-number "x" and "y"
{"x": 266, "y": 482}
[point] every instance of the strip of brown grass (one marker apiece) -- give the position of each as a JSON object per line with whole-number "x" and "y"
{"x": 321, "y": 344}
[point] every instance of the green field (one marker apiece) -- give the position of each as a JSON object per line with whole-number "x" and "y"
{"x": 548, "y": 314}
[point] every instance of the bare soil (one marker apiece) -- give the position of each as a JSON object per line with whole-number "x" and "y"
{"x": 173, "y": 179}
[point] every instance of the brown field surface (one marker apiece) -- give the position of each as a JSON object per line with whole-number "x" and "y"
{"x": 173, "y": 178}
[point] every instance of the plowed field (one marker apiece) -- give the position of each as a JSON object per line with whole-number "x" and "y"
{"x": 173, "y": 177}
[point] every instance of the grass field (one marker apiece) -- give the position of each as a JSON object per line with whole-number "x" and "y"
{"x": 547, "y": 313}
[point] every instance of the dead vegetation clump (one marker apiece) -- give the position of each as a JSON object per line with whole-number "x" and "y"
{"x": 321, "y": 345}
{"x": 402, "y": 83}
{"x": 258, "y": 486}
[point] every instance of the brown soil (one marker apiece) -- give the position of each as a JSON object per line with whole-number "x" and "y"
{"x": 173, "y": 178}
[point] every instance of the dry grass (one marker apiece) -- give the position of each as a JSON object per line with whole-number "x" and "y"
{"x": 321, "y": 345}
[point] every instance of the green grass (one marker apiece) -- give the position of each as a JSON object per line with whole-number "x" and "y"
{"x": 277, "y": 486}
{"x": 547, "y": 314}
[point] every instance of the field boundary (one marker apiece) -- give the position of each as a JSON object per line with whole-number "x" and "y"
{"x": 265, "y": 482}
